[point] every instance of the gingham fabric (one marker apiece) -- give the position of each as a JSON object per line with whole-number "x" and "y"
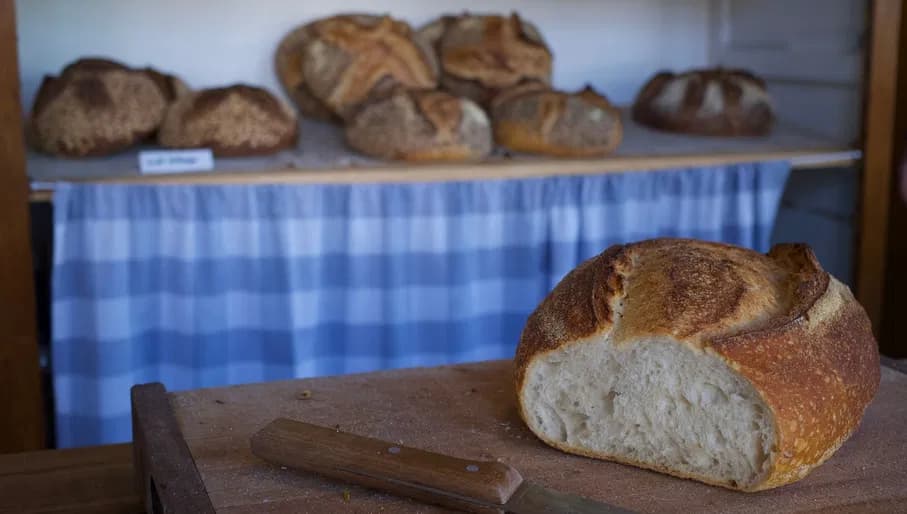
{"x": 199, "y": 286}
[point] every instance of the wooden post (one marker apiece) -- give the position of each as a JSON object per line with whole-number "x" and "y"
{"x": 877, "y": 156}
{"x": 22, "y": 427}
{"x": 894, "y": 306}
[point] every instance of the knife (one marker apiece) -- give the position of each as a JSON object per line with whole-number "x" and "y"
{"x": 469, "y": 485}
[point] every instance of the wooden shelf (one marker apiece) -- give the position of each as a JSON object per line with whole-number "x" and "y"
{"x": 322, "y": 157}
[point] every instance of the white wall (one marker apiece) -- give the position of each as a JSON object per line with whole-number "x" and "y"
{"x": 613, "y": 44}
{"x": 811, "y": 53}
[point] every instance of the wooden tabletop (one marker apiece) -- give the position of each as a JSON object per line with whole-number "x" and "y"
{"x": 90, "y": 480}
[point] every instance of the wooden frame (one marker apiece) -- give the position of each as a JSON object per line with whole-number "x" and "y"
{"x": 895, "y": 277}
{"x": 19, "y": 368}
{"x": 20, "y": 390}
{"x": 878, "y": 157}
{"x": 166, "y": 477}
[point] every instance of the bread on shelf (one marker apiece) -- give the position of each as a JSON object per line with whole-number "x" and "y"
{"x": 233, "y": 121}
{"x": 712, "y": 102}
{"x": 333, "y": 66}
{"x": 98, "y": 107}
{"x": 288, "y": 65}
{"x": 534, "y": 118}
{"x": 481, "y": 55}
{"x": 421, "y": 126}
{"x": 702, "y": 360}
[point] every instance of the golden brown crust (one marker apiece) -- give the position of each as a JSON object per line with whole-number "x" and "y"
{"x": 780, "y": 321}
{"x": 533, "y": 118}
{"x": 483, "y": 55}
{"x": 817, "y": 370}
{"x": 233, "y": 121}
{"x": 421, "y": 126}
{"x": 288, "y": 65}
{"x": 706, "y": 102}
{"x": 350, "y": 60}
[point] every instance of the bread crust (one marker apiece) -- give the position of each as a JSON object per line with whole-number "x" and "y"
{"x": 481, "y": 55}
{"x": 350, "y": 60}
{"x": 232, "y": 121}
{"x": 778, "y": 320}
{"x": 421, "y": 126}
{"x": 536, "y": 119}
{"x": 711, "y": 102}
{"x": 288, "y": 65}
{"x": 97, "y": 107}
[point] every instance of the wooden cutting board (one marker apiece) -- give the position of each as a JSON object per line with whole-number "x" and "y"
{"x": 469, "y": 411}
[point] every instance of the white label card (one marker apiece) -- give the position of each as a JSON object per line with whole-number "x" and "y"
{"x": 175, "y": 161}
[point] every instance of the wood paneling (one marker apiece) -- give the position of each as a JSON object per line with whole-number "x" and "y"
{"x": 22, "y": 425}
{"x": 877, "y": 165}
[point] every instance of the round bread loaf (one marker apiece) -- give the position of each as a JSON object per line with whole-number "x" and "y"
{"x": 536, "y": 119}
{"x": 288, "y": 63}
{"x": 481, "y": 55}
{"x": 421, "y": 126}
{"x": 701, "y": 360}
{"x": 345, "y": 61}
{"x": 233, "y": 121}
{"x": 714, "y": 102}
{"x": 98, "y": 107}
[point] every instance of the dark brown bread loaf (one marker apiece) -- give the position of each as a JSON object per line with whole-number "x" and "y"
{"x": 98, "y": 107}
{"x": 333, "y": 66}
{"x": 713, "y": 102}
{"x": 421, "y": 126}
{"x": 701, "y": 360}
{"x": 536, "y": 119}
{"x": 481, "y": 55}
{"x": 233, "y": 121}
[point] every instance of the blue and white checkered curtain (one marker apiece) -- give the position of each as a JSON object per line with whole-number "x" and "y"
{"x": 199, "y": 286}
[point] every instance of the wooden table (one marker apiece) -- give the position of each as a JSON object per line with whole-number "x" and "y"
{"x": 90, "y": 480}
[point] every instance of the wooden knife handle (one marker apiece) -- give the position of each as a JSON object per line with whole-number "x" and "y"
{"x": 476, "y": 486}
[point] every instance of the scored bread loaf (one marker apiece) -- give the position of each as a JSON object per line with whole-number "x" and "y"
{"x": 288, "y": 64}
{"x": 98, "y": 107}
{"x": 534, "y": 118}
{"x": 232, "y": 121}
{"x": 701, "y": 360}
{"x": 421, "y": 126}
{"x": 335, "y": 65}
{"x": 481, "y": 55}
{"x": 712, "y": 102}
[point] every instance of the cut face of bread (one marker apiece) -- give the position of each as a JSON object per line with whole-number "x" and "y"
{"x": 652, "y": 402}
{"x": 701, "y": 360}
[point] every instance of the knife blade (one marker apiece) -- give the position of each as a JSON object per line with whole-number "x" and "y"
{"x": 468, "y": 485}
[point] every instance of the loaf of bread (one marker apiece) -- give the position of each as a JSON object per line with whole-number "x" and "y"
{"x": 421, "y": 126}
{"x": 537, "y": 119}
{"x": 701, "y": 360}
{"x": 98, "y": 107}
{"x": 713, "y": 102}
{"x": 333, "y": 66}
{"x": 232, "y": 121}
{"x": 482, "y": 55}
{"x": 288, "y": 63}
